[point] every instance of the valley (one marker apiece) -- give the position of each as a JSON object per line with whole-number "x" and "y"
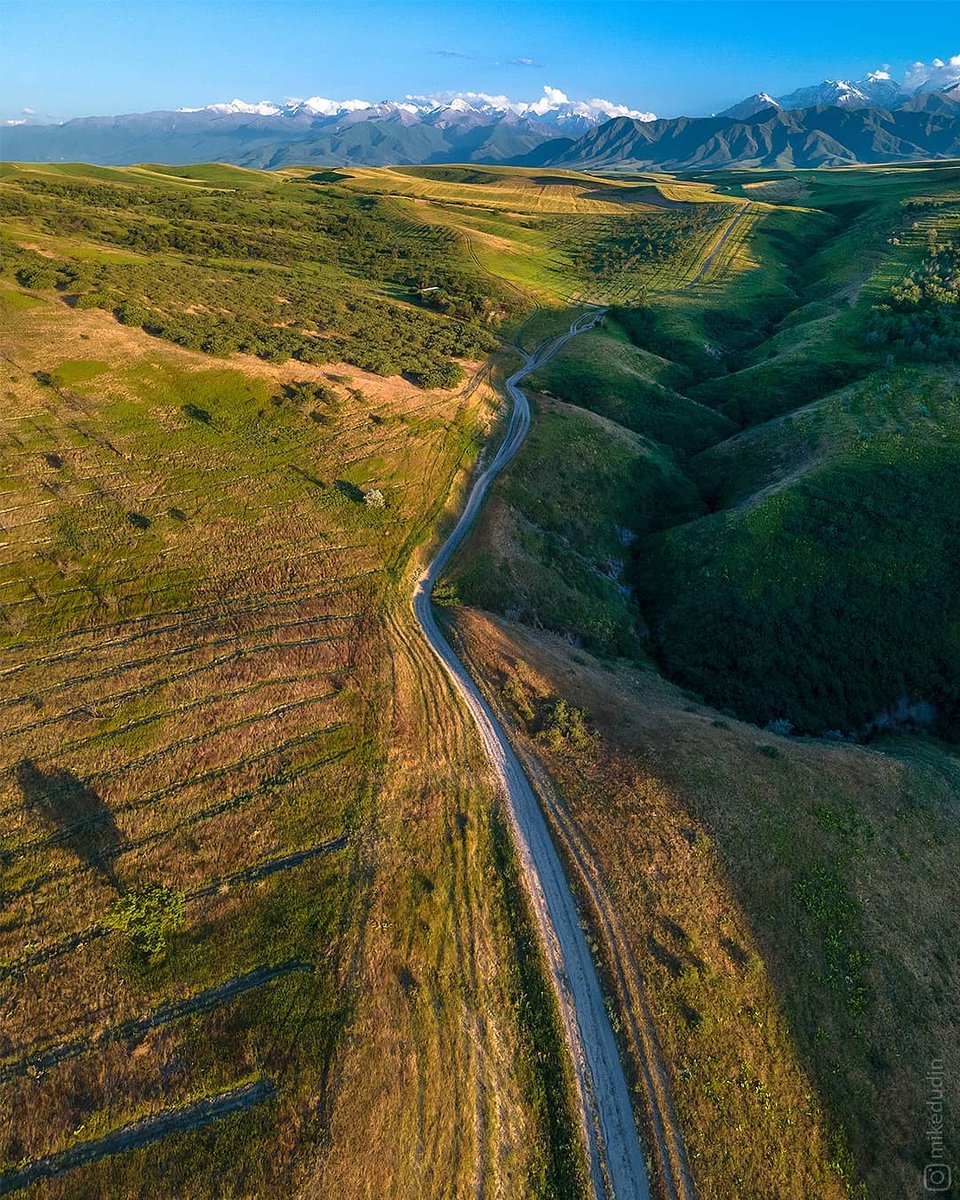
{"x": 267, "y": 915}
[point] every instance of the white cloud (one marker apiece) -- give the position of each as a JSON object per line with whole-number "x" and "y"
{"x": 29, "y": 112}
{"x": 553, "y": 97}
{"x": 605, "y": 108}
{"x": 936, "y": 74}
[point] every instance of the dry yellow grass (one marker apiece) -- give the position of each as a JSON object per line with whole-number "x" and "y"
{"x": 522, "y": 191}
{"x": 207, "y": 681}
{"x": 695, "y": 833}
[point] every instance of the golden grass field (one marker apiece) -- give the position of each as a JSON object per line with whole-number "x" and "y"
{"x": 209, "y": 685}
{"x": 520, "y": 223}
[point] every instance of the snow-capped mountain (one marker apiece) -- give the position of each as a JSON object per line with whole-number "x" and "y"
{"x": 554, "y": 109}
{"x": 447, "y": 127}
{"x": 877, "y": 89}
{"x": 465, "y": 127}
{"x": 315, "y": 106}
{"x": 749, "y": 107}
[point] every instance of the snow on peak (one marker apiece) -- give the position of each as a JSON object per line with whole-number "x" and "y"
{"x": 939, "y": 75}
{"x": 327, "y": 108}
{"x": 554, "y": 106}
{"x": 263, "y": 108}
{"x": 757, "y": 103}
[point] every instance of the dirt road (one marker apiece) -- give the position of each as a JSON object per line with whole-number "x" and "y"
{"x": 617, "y": 1164}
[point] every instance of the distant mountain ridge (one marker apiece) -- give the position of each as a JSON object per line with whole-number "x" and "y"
{"x": 877, "y": 89}
{"x": 928, "y": 127}
{"x": 836, "y": 122}
{"x": 469, "y": 127}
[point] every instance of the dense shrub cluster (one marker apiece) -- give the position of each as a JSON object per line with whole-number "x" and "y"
{"x": 147, "y": 918}
{"x": 920, "y": 318}
{"x": 828, "y": 602}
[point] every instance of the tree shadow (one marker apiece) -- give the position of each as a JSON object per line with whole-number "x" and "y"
{"x": 350, "y": 490}
{"x": 75, "y": 813}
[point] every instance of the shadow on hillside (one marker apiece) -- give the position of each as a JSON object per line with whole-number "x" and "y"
{"x": 75, "y": 814}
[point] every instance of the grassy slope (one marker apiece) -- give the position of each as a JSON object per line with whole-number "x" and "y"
{"x": 565, "y": 237}
{"x": 602, "y": 371}
{"x": 203, "y": 677}
{"x": 552, "y": 546}
{"x": 840, "y": 531}
{"x": 795, "y": 978}
{"x": 423, "y": 920}
{"x": 777, "y": 897}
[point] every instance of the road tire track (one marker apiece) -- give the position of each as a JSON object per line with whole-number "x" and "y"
{"x": 140, "y": 1133}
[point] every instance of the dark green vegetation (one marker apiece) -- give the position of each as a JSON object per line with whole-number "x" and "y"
{"x": 571, "y": 517}
{"x": 603, "y": 371}
{"x": 769, "y": 465}
{"x": 921, "y": 315}
{"x": 650, "y": 237}
{"x": 818, "y": 586}
{"x": 147, "y": 918}
{"x": 823, "y": 591}
{"x": 837, "y": 599}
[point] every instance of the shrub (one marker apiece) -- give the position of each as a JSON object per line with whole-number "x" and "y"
{"x": 36, "y": 277}
{"x": 562, "y": 727}
{"x": 445, "y": 594}
{"x": 920, "y": 316}
{"x": 147, "y": 918}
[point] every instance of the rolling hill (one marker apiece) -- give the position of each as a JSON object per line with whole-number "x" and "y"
{"x": 263, "y": 930}
{"x": 738, "y": 666}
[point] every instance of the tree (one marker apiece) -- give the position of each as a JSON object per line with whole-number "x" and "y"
{"x": 443, "y": 374}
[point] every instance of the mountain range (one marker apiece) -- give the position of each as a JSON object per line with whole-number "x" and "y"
{"x": 927, "y": 127}
{"x": 467, "y": 127}
{"x": 836, "y": 122}
{"x": 876, "y": 90}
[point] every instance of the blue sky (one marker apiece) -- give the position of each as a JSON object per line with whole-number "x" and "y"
{"x": 65, "y": 58}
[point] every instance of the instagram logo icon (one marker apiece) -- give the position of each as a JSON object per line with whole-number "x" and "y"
{"x": 936, "y": 1177}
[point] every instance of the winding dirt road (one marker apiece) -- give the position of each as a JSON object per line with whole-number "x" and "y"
{"x": 617, "y": 1164}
